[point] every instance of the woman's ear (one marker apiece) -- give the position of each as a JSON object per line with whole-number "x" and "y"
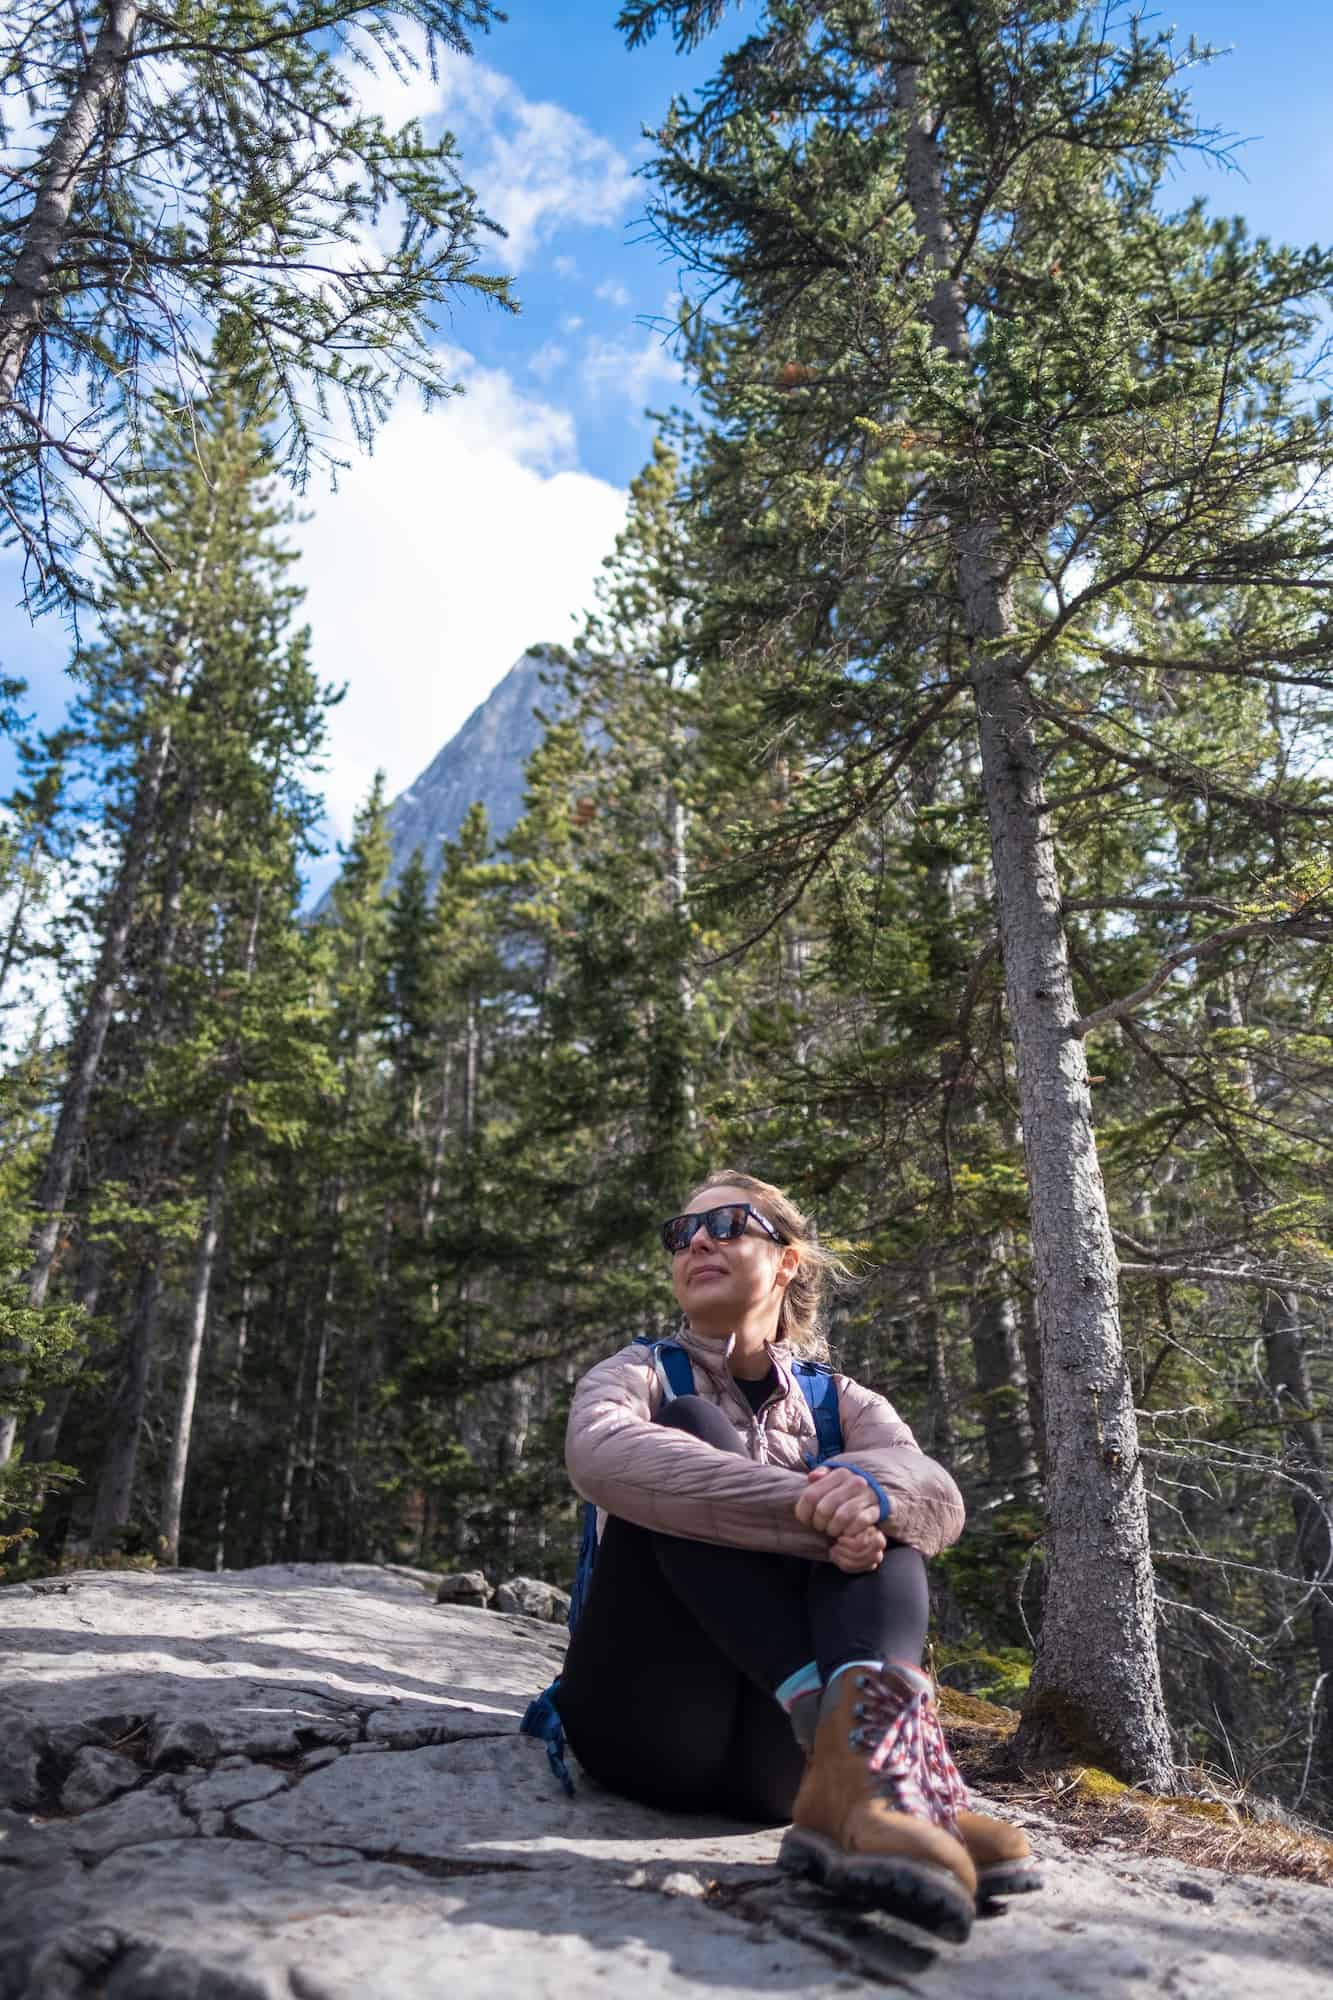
{"x": 789, "y": 1263}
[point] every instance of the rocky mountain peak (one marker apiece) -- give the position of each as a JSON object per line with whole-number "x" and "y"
{"x": 484, "y": 762}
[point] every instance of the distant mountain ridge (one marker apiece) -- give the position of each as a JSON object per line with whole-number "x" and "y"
{"x": 484, "y": 762}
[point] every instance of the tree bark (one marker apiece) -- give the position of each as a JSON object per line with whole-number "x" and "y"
{"x": 89, "y": 1041}
{"x": 115, "y": 1485}
{"x": 173, "y": 1486}
{"x": 233, "y": 1411}
{"x": 1096, "y": 1685}
{"x": 997, "y": 1355}
{"x": 24, "y": 299}
{"x": 196, "y": 1325}
{"x": 89, "y": 1038}
{"x": 42, "y": 1436}
{"x": 292, "y": 1452}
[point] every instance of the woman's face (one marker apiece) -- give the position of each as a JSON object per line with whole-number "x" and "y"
{"x": 719, "y": 1284}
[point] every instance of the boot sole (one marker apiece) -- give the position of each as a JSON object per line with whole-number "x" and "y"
{"x": 1008, "y": 1878}
{"x": 920, "y": 1892}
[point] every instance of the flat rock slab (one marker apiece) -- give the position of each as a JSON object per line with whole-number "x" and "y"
{"x": 325, "y": 1797}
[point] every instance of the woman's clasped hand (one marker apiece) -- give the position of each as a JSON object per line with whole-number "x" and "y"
{"x": 843, "y": 1506}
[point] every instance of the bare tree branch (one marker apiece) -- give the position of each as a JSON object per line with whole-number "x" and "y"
{"x": 1197, "y": 948}
{"x": 1275, "y": 1281}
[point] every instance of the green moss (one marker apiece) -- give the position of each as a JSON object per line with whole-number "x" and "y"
{"x": 1213, "y": 1809}
{"x": 1094, "y": 1783}
{"x": 1000, "y": 1673}
{"x": 957, "y": 1707}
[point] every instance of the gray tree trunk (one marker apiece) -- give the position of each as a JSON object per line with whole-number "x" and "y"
{"x": 997, "y": 1355}
{"x": 89, "y": 1041}
{"x": 196, "y": 1325}
{"x": 42, "y": 1437}
{"x": 293, "y": 1449}
{"x": 115, "y": 1485}
{"x": 24, "y": 300}
{"x": 233, "y": 1411}
{"x": 89, "y": 1037}
{"x": 173, "y": 1486}
{"x": 1096, "y": 1685}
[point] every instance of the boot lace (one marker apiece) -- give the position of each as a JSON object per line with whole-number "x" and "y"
{"x": 899, "y": 1729}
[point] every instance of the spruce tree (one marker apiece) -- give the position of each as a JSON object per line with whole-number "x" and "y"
{"x": 981, "y": 404}
{"x": 200, "y": 714}
{"x": 197, "y": 165}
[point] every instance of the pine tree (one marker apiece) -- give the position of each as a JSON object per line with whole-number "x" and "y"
{"x": 202, "y": 712}
{"x": 208, "y": 166}
{"x": 979, "y": 402}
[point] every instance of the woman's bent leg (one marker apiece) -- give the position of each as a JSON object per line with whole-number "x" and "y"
{"x": 649, "y": 1703}
{"x": 881, "y": 1614}
{"x": 667, "y": 1688}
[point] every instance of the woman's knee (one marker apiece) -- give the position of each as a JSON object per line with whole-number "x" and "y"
{"x": 704, "y": 1421}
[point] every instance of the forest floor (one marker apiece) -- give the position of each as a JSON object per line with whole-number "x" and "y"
{"x": 1210, "y": 1827}
{"x": 306, "y": 1783}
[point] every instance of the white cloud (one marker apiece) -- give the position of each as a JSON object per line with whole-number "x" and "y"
{"x": 613, "y": 292}
{"x": 549, "y": 359}
{"x": 467, "y": 536}
{"x": 571, "y": 322}
{"x": 394, "y": 91}
{"x": 630, "y": 369}
{"x": 564, "y": 267}
{"x": 536, "y": 166}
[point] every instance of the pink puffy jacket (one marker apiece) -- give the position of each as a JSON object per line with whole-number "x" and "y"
{"x": 661, "y": 1478}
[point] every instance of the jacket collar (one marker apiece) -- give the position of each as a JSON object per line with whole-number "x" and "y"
{"x": 713, "y": 1356}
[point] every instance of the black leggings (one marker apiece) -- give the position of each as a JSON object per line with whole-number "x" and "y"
{"x": 667, "y": 1689}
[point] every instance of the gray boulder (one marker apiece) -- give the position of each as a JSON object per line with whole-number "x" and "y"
{"x": 464, "y": 1586}
{"x": 22, "y": 1747}
{"x": 96, "y": 1776}
{"x": 529, "y": 1597}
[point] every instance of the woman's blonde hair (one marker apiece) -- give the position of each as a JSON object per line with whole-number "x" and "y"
{"x": 801, "y": 1321}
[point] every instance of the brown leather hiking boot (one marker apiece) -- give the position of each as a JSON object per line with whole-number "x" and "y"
{"x": 874, "y": 1819}
{"x": 1005, "y": 1864}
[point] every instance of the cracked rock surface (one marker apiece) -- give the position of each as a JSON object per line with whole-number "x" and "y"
{"x": 305, "y": 1783}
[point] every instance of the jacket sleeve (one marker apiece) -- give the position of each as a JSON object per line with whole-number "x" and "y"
{"x": 659, "y": 1478}
{"x": 925, "y": 1508}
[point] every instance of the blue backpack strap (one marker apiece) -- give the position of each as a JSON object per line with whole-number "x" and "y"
{"x": 820, "y": 1389}
{"x": 821, "y": 1393}
{"x": 675, "y": 1371}
{"x": 583, "y": 1571}
{"x": 541, "y": 1719}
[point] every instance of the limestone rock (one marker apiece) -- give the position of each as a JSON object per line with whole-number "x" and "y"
{"x": 95, "y": 1777}
{"x": 405, "y": 1843}
{"x": 530, "y": 1598}
{"x": 464, "y": 1586}
{"x": 22, "y": 1746}
{"x": 178, "y": 1740}
{"x": 415, "y": 1728}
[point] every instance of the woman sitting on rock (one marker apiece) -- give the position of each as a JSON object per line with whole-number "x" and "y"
{"x": 752, "y": 1637}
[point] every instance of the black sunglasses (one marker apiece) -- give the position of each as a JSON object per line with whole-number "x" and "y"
{"x": 723, "y": 1225}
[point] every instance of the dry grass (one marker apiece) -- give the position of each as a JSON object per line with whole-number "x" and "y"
{"x": 1090, "y": 1807}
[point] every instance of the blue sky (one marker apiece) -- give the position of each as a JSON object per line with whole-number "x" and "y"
{"x": 478, "y": 529}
